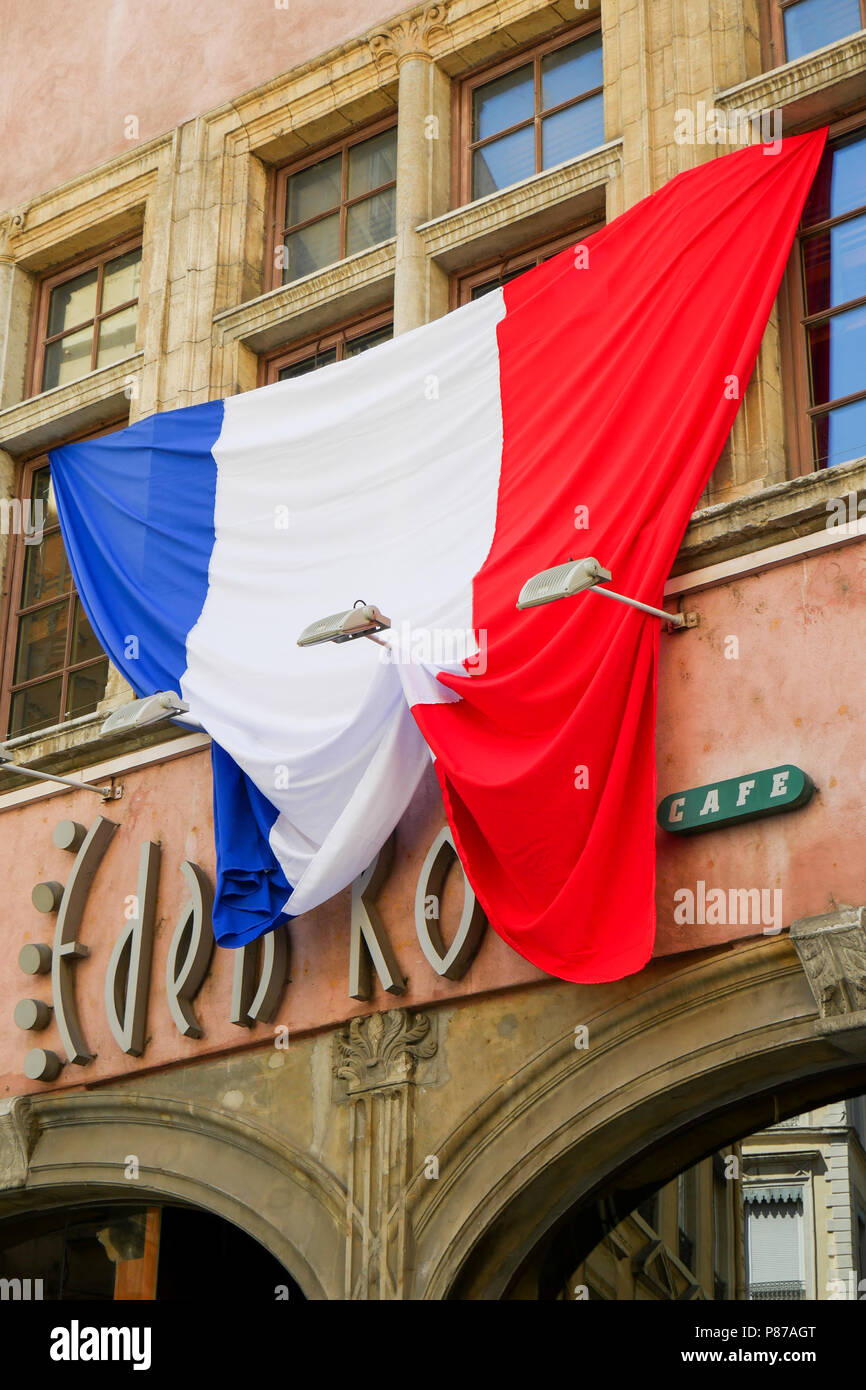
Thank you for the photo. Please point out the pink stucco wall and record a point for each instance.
(796, 693)
(73, 70)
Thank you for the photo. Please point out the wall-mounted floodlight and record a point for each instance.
(107, 793)
(562, 581)
(145, 713)
(364, 620)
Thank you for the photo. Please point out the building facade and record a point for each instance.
(389, 1106)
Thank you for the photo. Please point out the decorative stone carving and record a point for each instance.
(376, 1059)
(18, 1133)
(383, 1050)
(832, 951)
(411, 37)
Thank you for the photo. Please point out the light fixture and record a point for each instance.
(107, 793)
(562, 581)
(364, 620)
(145, 713)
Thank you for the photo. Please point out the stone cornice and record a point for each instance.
(798, 79)
(769, 516)
(47, 418)
(330, 294)
(40, 229)
(453, 239)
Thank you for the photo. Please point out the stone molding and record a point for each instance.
(88, 210)
(455, 239)
(767, 516)
(43, 420)
(800, 78)
(328, 295)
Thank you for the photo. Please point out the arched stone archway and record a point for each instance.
(701, 1050)
(76, 1147)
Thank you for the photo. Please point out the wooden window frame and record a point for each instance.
(70, 270)
(337, 335)
(526, 257)
(532, 52)
(775, 28)
(793, 322)
(283, 172)
(11, 611)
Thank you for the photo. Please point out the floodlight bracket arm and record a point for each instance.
(109, 793)
(675, 622)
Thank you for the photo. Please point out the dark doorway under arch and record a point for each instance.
(99, 1252)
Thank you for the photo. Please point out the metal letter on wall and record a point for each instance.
(127, 977)
(454, 962)
(258, 986)
(368, 944)
(194, 934)
(90, 846)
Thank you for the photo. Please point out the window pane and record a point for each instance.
(570, 71)
(834, 264)
(46, 573)
(72, 303)
(370, 221)
(308, 364)
(312, 249)
(572, 131)
(812, 23)
(368, 340)
(117, 336)
(840, 183)
(478, 291)
(373, 163)
(86, 689)
(837, 352)
(121, 280)
(503, 103)
(67, 359)
(840, 435)
(35, 708)
(84, 644)
(313, 191)
(41, 642)
(503, 162)
(43, 492)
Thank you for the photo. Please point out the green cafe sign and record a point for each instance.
(737, 799)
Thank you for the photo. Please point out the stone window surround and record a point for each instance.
(461, 175)
(283, 172)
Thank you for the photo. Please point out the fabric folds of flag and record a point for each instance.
(578, 411)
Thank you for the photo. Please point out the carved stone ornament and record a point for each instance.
(18, 1134)
(411, 37)
(382, 1050)
(832, 951)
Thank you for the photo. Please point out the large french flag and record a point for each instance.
(578, 411)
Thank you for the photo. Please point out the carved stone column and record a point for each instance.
(375, 1065)
(423, 149)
